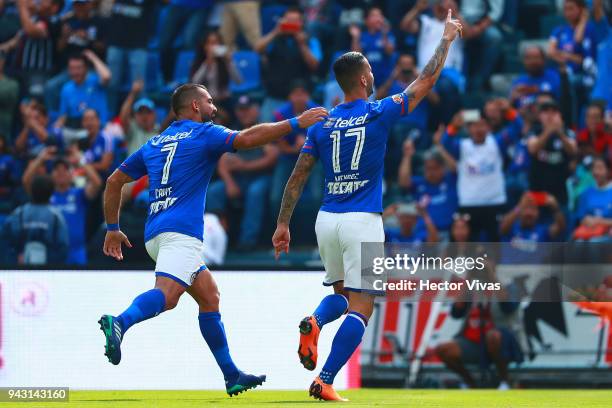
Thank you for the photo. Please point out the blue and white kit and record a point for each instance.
(179, 162)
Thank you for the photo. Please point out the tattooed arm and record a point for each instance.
(292, 194)
(427, 79)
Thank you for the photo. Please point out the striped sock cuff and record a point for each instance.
(359, 316)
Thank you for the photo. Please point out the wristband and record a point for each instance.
(295, 126)
(112, 227)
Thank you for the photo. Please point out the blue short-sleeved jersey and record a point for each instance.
(351, 145)
(179, 162)
(76, 99)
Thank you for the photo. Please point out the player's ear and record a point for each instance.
(195, 105)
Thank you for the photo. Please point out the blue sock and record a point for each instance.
(145, 306)
(344, 345)
(214, 333)
(330, 308)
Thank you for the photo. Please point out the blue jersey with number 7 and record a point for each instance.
(179, 162)
(351, 144)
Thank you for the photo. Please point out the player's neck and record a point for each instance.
(355, 96)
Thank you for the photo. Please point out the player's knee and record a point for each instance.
(447, 351)
(171, 302)
(209, 302)
(493, 339)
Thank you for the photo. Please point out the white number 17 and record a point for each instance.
(359, 133)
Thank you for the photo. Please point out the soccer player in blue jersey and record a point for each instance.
(351, 145)
(179, 163)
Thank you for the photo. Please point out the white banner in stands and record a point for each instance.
(49, 335)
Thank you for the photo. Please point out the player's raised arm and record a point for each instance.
(293, 191)
(264, 133)
(421, 86)
(112, 203)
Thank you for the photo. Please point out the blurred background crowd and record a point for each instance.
(513, 144)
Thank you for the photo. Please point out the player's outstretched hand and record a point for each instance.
(452, 27)
(280, 240)
(112, 244)
(312, 116)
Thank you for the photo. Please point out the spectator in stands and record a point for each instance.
(603, 83)
(429, 30)
(536, 79)
(523, 226)
(9, 94)
(491, 333)
(289, 55)
(9, 26)
(595, 138)
(376, 42)
(38, 49)
(240, 17)
(291, 145)
(551, 147)
(483, 38)
(35, 132)
(127, 35)
(436, 189)
(70, 201)
(138, 118)
(594, 212)
(504, 121)
(415, 224)
(100, 147)
(9, 180)
(414, 124)
(244, 178)
(189, 17)
(460, 230)
(573, 42)
(478, 161)
(85, 90)
(213, 67)
(80, 31)
(36, 233)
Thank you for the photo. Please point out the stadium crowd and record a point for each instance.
(513, 144)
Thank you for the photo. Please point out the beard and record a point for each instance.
(207, 117)
(370, 89)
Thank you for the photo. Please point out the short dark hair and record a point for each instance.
(78, 57)
(347, 68)
(42, 189)
(183, 95)
(579, 3)
(61, 162)
(601, 105)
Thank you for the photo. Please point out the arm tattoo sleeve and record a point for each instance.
(428, 77)
(294, 187)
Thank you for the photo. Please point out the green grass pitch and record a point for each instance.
(358, 398)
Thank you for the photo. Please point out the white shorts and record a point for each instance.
(177, 256)
(339, 236)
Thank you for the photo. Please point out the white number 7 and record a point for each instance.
(359, 133)
(171, 148)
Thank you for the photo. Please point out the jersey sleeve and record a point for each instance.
(394, 107)
(220, 139)
(310, 145)
(134, 166)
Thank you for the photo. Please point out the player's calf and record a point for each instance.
(330, 309)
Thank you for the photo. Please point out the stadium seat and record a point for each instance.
(153, 78)
(184, 59)
(247, 63)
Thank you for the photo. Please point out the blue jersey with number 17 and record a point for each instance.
(351, 145)
(179, 162)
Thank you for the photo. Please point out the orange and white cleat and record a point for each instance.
(309, 337)
(325, 392)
